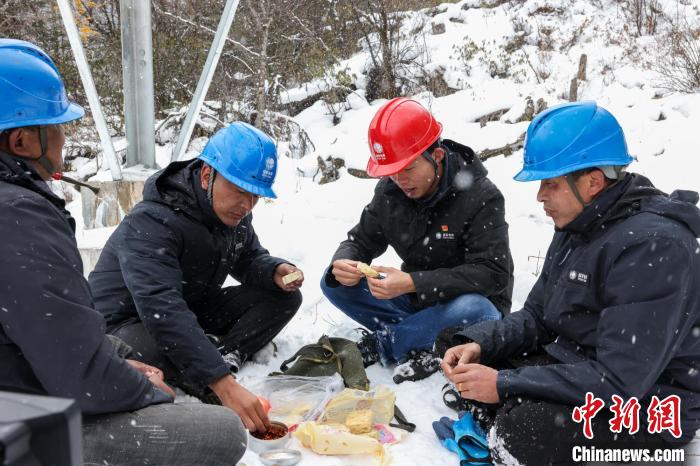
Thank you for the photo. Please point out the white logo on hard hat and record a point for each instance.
(268, 173)
(378, 152)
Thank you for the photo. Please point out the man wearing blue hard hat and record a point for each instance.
(615, 311)
(52, 340)
(159, 280)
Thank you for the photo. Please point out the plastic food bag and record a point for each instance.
(293, 398)
(380, 401)
(335, 439)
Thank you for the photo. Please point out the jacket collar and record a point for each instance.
(619, 201)
(15, 171)
(460, 163)
(178, 186)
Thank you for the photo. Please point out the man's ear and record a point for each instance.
(438, 154)
(18, 142)
(596, 182)
(204, 176)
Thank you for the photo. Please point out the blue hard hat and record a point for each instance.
(570, 137)
(31, 87)
(245, 156)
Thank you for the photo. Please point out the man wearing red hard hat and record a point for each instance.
(446, 220)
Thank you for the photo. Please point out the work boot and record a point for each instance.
(234, 360)
(420, 365)
(369, 347)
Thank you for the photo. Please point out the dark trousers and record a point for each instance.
(173, 434)
(536, 432)
(245, 318)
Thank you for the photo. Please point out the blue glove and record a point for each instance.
(445, 433)
(464, 437)
(471, 439)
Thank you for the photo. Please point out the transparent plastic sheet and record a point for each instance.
(295, 398)
(379, 400)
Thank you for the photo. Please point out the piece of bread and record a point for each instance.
(360, 421)
(367, 270)
(291, 277)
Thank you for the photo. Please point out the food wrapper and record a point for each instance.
(380, 401)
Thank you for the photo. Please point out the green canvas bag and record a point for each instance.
(332, 355)
(328, 356)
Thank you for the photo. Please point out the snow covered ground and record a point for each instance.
(307, 221)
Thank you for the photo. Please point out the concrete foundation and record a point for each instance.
(114, 201)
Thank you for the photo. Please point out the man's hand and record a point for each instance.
(154, 375)
(476, 382)
(462, 354)
(286, 269)
(244, 403)
(345, 271)
(395, 283)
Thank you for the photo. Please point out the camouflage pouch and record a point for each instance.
(326, 357)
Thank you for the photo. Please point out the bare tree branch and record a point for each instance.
(199, 26)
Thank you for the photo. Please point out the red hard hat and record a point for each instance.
(401, 130)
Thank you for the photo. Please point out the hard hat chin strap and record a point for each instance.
(574, 189)
(43, 159)
(210, 186)
(429, 157)
(614, 173)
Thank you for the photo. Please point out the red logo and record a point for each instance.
(665, 415)
(661, 415)
(587, 412)
(626, 415)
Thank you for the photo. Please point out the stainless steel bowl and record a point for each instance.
(281, 457)
(260, 446)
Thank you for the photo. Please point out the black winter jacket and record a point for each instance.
(52, 341)
(452, 244)
(166, 256)
(618, 303)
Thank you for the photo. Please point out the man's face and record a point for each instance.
(230, 203)
(26, 143)
(559, 201)
(417, 180)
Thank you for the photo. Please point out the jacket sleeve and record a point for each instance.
(519, 332)
(255, 266)
(148, 257)
(645, 288)
(365, 240)
(486, 266)
(47, 312)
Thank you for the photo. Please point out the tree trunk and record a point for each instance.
(387, 55)
(261, 101)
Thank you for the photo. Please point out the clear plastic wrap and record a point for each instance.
(293, 398)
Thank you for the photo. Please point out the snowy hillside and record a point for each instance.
(494, 58)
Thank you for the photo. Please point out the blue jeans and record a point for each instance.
(399, 326)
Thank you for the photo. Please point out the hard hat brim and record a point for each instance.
(246, 186)
(73, 112)
(528, 174)
(376, 170)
